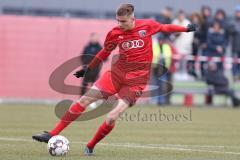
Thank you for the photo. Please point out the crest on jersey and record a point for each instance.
(142, 33)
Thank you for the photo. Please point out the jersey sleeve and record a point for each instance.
(168, 28)
(109, 45)
(110, 42)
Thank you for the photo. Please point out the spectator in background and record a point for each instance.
(162, 56)
(198, 36)
(155, 66)
(216, 42)
(89, 52)
(221, 17)
(235, 33)
(206, 13)
(165, 17)
(161, 70)
(183, 42)
(219, 84)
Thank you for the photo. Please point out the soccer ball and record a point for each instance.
(58, 146)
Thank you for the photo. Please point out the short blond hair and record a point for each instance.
(125, 10)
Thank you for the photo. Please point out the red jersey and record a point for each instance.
(135, 45)
(129, 75)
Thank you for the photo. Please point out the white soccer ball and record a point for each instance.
(58, 146)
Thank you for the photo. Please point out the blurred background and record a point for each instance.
(36, 37)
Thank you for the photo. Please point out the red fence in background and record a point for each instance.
(32, 47)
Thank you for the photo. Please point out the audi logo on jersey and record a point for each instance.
(139, 43)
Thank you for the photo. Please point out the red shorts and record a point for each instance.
(129, 87)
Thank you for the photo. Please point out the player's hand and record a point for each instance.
(81, 72)
(191, 27)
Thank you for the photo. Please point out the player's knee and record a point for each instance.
(111, 119)
(85, 101)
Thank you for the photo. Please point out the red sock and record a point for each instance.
(73, 112)
(102, 131)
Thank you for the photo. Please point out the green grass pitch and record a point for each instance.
(211, 133)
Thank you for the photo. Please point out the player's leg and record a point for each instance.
(107, 126)
(102, 88)
(71, 114)
(128, 96)
(77, 108)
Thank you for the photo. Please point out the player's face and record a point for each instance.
(125, 22)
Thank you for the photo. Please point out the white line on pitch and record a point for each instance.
(176, 147)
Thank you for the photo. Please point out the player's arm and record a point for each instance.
(101, 56)
(169, 28)
(109, 46)
(176, 28)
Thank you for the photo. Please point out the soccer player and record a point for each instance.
(127, 77)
